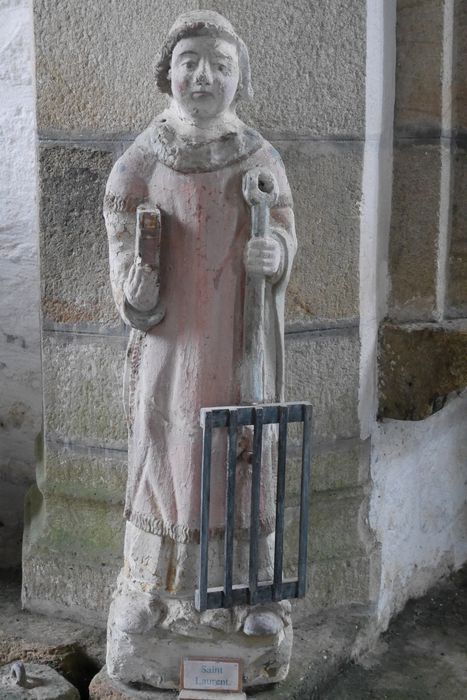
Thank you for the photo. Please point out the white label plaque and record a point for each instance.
(220, 675)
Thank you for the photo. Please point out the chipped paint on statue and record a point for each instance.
(185, 303)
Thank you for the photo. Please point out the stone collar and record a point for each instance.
(184, 155)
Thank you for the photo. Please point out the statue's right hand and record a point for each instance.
(142, 286)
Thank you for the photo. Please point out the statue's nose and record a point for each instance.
(204, 73)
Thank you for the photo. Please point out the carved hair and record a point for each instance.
(202, 22)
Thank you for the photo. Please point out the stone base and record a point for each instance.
(149, 635)
(323, 643)
(104, 688)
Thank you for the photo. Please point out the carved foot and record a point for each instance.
(136, 615)
(261, 623)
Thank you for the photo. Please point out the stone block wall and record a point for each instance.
(95, 91)
(418, 504)
(456, 296)
(20, 367)
(428, 237)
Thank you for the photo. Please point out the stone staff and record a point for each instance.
(261, 192)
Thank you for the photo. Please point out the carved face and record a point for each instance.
(204, 75)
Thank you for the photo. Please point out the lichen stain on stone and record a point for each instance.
(419, 365)
(95, 528)
(15, 339)
(15, 417)
(295, 301)
(67, 312)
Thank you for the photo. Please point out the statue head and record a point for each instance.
(204, 65)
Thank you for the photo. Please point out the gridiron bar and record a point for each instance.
(305, 487)
(230, 510)
(205, 501)
(241, 596)
(233, 417)
(280, 504)
(255, 498)
(245, 414)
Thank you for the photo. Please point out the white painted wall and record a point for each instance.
(419, 502)
(20, 374)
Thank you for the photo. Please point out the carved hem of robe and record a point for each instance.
(183, 534)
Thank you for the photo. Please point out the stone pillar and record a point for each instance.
(20, 371)
(456, 294)
(427, 260)
(92, 100)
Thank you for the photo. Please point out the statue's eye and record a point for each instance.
(222, 67)
(189, 65)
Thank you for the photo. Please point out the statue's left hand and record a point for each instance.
(263, 256)
(141, 287)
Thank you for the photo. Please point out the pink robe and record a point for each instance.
(192, 358)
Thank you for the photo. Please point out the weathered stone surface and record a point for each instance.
(87, 475)
(74, 257)
(41, 683)
(419, 365)
(334, 582)
(86, 527)
(337, 525)
(72, 552)
(140, 654)
(457, 264)
(20, 376)
(76, 588)
(322, 642)
(413, 242)
(12, 493)
(75, 651)
(82, 389)
(20, 398)
(418, 106)
(104, 688)
(460, 66)
(325, 179)
(314, 54)
(335, 529)
(341, 466)
(323, 368)
(80, 45)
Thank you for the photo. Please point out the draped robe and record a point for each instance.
(187, 352)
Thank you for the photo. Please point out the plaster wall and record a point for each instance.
(419, 505)
(20, 368)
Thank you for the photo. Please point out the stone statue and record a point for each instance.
(183, 290)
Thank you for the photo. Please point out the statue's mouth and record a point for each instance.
(201, 93)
